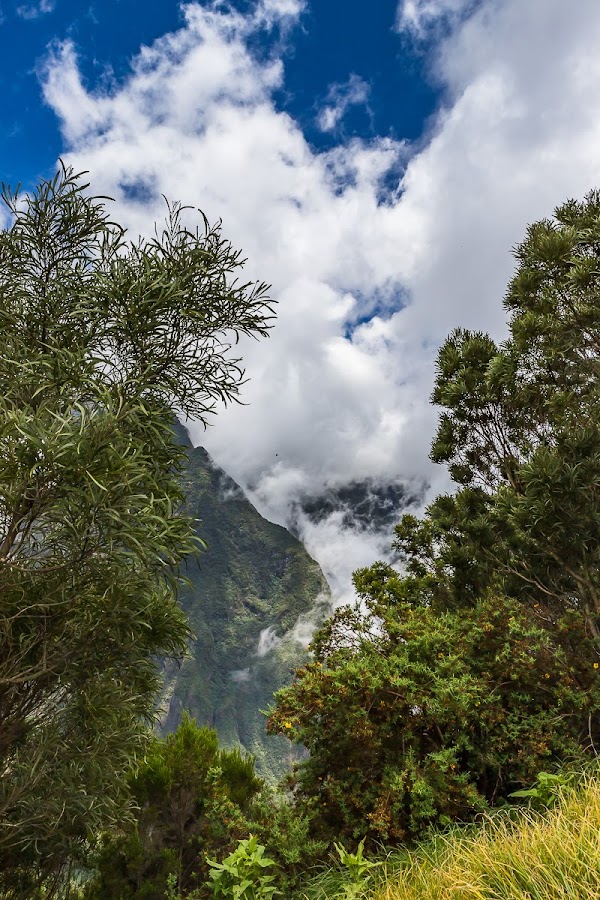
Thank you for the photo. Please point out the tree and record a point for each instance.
(521, 425)
(103, 341)
(417, 717)
(192, 799)
(479, 665)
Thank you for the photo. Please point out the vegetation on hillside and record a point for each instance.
(253, 585)
(478, 666)
(449, 686)
(102, 340)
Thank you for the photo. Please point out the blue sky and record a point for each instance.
(376, 163)
(107, 34)
(329, 44)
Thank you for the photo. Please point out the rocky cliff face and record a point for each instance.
(252, 604)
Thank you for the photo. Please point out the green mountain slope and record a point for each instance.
(254, 594)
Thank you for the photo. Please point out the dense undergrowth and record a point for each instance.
(524, 855)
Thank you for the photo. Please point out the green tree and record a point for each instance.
(192, 799)
(520, 429)
(478, 666)
(103, 341)
(416, 717)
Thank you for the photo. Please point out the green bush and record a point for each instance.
(242, 876)
(193, 798)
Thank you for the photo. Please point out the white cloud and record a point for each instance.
(35, 10)
(301, 632)
(307, 623)
(278, 12)
(268, 640)
(340, 97)
(333, 398)
(421, 17)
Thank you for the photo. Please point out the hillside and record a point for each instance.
(250, 604)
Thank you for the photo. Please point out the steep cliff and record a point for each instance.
(251, 605)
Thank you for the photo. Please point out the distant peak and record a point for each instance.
(182, 435)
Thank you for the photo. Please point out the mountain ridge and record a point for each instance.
(252, 604)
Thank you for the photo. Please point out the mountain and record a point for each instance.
(370, 503)
(252, 604)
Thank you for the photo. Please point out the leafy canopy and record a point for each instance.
(192, 799)
(457, 681)
(103, 341)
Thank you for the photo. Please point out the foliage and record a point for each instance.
(350, 877)
(355, 863)
(196, 799)
(356, 866)
(287, 832)
(458, 680)
(241, 875)
(254, 576)
(102, 340)
(172, 892)
(427, 717)
(535, 856)
(193, 798)
(546, 791)
(520, 425)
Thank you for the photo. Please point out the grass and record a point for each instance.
(535, 857)
(531, 856)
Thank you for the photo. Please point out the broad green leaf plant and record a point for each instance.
(242, 875)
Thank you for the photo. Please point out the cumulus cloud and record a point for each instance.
(340, 97)
(369, 281)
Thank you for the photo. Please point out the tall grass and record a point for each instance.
(518, 856)
(535, 857)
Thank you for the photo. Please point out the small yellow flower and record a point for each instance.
(287, 724)
(596, 665)
(546, 675)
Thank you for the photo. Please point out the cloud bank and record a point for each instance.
(369, 278)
